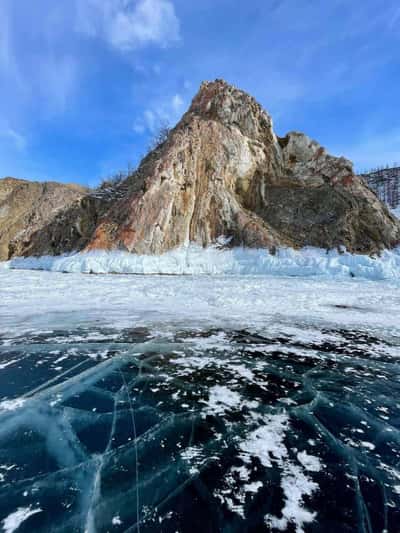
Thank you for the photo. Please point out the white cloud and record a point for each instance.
(151, 119)
(394, 19)
(139, 128)
(8, 63)
(128, 25)
(163, 112)
(17, 139)
(57, 80)
(42, 76)
(177, 103)
(5, 53)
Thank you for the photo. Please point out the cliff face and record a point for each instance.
(223, 172)
(27, 207)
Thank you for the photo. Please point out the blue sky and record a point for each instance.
(85, 83)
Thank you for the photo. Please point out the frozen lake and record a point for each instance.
(198, 404)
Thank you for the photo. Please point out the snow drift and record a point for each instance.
(195, 260)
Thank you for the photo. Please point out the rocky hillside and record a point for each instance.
(223, 172)
(27, 207)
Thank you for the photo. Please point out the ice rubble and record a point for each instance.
(195, 260)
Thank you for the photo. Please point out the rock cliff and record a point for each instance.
(27, 207)
(223, 172)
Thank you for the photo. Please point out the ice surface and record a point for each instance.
(237, 261)
(46, 300)
(193, 404)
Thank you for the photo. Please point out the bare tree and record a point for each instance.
(112, 181)
(160, 136)
(113, 185)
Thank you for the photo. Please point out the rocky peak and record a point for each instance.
(223, 172)
(219, 101)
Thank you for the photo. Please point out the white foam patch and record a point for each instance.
(222, 399)
(310, 462)
(116, 521)
(267, 444)
(295, 485)
(218, 342)
(194, 456)
(8, 363)
(237, 488)
(12, 522)
(11, 405)
(3, 471)
(194, 259)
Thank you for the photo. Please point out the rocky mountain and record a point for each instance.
(223, 172)
(27, 207)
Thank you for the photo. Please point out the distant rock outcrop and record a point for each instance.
(223, 172)
(26, 207)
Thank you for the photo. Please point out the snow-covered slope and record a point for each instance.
(215, 261)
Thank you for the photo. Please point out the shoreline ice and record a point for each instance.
(195, 260)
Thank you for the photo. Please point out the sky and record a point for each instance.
(85, 84)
